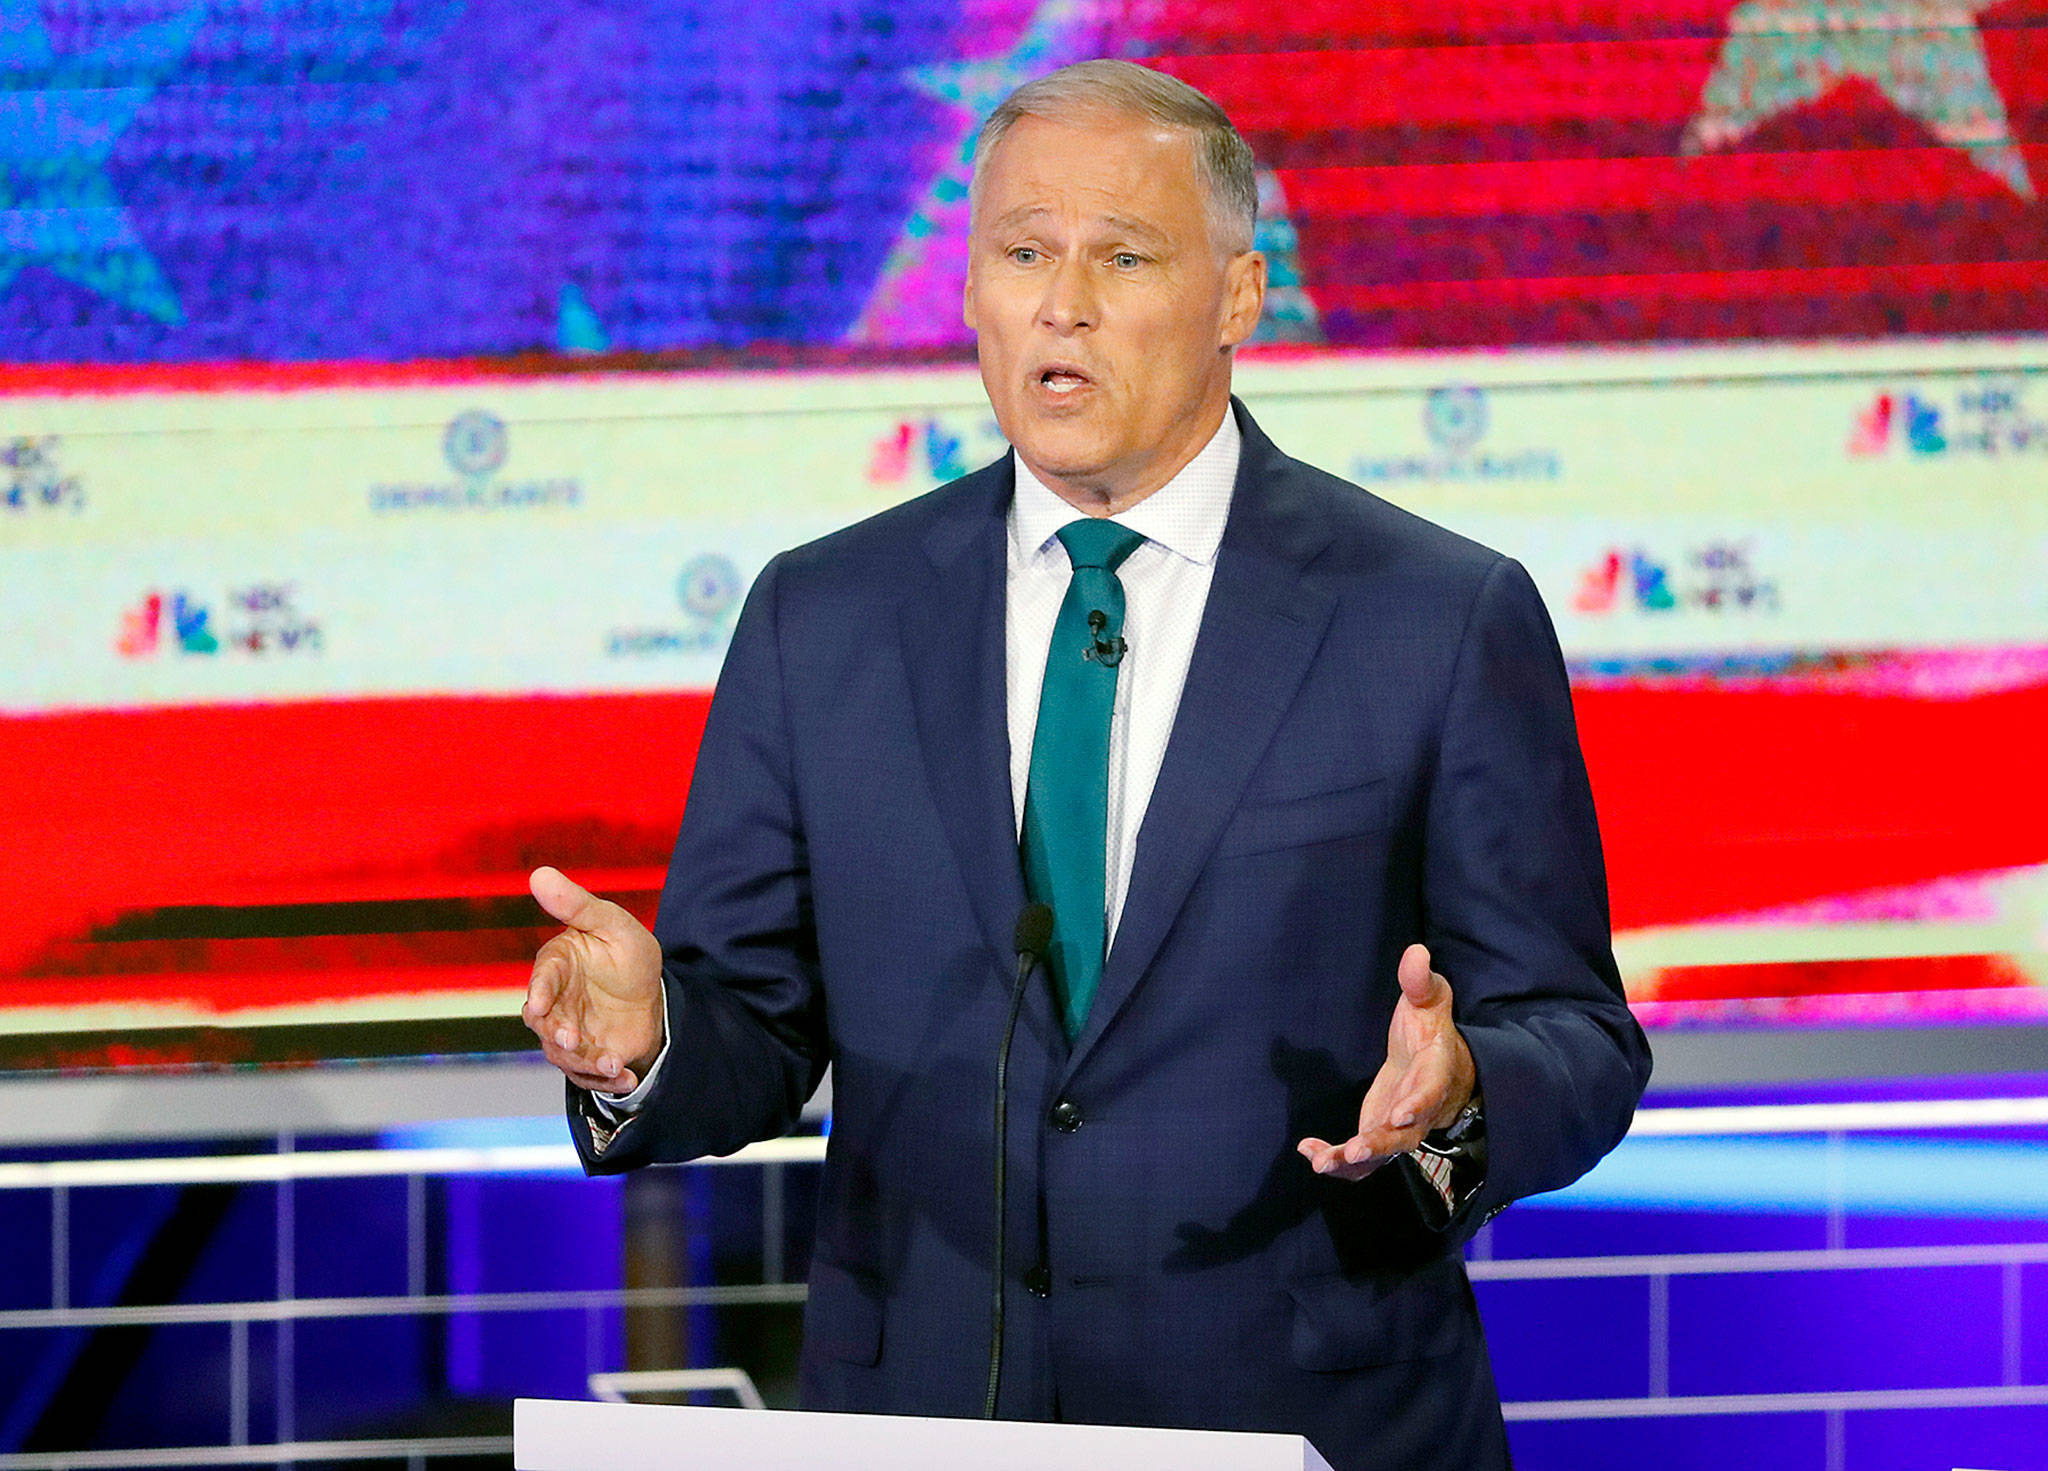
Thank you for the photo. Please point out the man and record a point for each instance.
(1284, 752)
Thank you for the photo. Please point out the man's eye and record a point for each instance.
(1024, 255)
(1127, 260)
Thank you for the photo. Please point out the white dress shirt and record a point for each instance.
(1166, 587)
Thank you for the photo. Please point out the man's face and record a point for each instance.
(1104, 312)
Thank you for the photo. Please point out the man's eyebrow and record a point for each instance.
(1128, 226)
(1019, 215)
(1136, 229)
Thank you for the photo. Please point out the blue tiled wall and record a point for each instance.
(1599, 1338)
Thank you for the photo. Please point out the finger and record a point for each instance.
(1320, 1155)
(618, 1078)
(1413, 1115)
(1388, 1084)
(592, 1080)
(1395, 1131)
(552, 1025)
(1364, 1148)
(563, 1046)
(1422, 1091)
(556, 1030)
(1405, 1129)
(1420, 985)
(542, 990)
(1375, 1149)
(1348, 1170)
(569, 1063)
(568, 901)
(1338, 1160)
(604, 1076)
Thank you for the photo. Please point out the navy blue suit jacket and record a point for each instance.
(1375, 746)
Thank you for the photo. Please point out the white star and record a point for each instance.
(916, 294)
(919, 281)
(1926, 56)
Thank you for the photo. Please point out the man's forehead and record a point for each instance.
(1123, 143)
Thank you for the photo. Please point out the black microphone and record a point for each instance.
(1033, 939)
(1108, 651)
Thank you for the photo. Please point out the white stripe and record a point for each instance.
(303, 1309)
(1838, 1118)
(260, 1455)
(1797, 1118)
(1777, 1404)
(237, 1169)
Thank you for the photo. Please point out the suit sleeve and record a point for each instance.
(1516, 907)
(747, 1041)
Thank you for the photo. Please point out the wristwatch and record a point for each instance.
(1450, 1165)
(1461, 1133)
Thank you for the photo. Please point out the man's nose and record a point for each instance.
(1069, 304)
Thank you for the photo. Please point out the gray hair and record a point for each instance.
(1223, 160)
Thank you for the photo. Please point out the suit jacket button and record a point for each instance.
(1066, 1116)
(1038, 1282)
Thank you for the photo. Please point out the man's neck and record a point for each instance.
(1110, 498)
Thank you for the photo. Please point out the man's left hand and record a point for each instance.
(1428, 1076)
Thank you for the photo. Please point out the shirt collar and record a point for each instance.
(1185, 515)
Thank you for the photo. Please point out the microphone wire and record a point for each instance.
(1034, 935)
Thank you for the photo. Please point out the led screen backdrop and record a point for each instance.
(293, 180)
(401, 397)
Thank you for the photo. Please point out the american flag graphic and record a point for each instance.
(237, 180)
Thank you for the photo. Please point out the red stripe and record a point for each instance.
(1759, 186)
(1835, 978)
(109, 813)
(113, 378)
(1482, 320)
(1714, 802)
(1226, 25)
(769, 360)
(1630, 80)
(228, 991)
(1902, 282)
(1719, 802)
(1454, 195)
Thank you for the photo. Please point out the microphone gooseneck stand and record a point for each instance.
(1034, 936)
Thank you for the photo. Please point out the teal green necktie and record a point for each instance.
(1066, 804)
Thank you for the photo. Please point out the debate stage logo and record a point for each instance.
(476, 446)
(707, 590)
(35, 481)
(1456, 420)
(263, 620)
(938, 448)
(1715, 577)
(1985, 421)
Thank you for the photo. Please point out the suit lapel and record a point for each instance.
(952, 630)
(1260, 631)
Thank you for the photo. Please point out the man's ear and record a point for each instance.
(1244, 297)
(967, 300)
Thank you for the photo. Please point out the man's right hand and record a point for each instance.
(595, 997)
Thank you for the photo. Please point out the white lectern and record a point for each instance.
(571, 1435)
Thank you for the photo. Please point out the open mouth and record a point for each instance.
(1061, 379)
